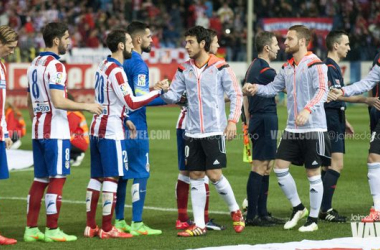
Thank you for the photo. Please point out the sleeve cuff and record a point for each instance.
(308, 109)
(233, 121)
(56, 86)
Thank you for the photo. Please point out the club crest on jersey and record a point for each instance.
(141, 80)
(67, 164)
(124, 88)
(337, 81)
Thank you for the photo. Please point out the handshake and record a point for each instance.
(334, 94)
(249, 89)
(162, 85)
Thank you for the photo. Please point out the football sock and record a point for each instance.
(206, 180)
(316, 194)
(34, 201)
(263, 197)
(120, 198)
(108, 202)
(92, 199)
(288, 186)
(329, 183)
(138, 198)
(224, 189)
(182, 196)
(53, 201)
(374, 183)
(198, 201)
(253, 192)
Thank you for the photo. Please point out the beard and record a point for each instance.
(127, 54)
(146, 49)
(61, 49)
(292, 50)
(195, 56)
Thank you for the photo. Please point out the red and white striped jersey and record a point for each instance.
(113, 92)
(181, 122)
(3, 86)
(46, 73)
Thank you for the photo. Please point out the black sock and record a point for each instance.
(299, 207)
(312, 219)
(329, 184)
(263, 198)
(253, 192)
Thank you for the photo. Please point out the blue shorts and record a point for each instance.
(51, 157)
(263, 133)
(108, 157)
(181, 149)
(336, 126)
(138, 156)
(4, 173)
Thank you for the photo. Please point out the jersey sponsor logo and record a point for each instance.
(124, 88)
(41, 107)
(141, 80)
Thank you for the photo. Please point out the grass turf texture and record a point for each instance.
(351, 197)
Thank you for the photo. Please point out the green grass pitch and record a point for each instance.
(351, 197)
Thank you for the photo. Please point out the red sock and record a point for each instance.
(92, 196)
(53, 195)
(34, 202)
(182, 195)
(108, 202)
(207, 201)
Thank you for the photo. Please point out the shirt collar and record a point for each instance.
(110, 59)
(48, 53)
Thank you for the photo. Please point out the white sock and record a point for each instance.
(315, 195)
(198, 201)
(374, 183)
(225, 191)
(184, 178)
(288, 185)
(206, 179)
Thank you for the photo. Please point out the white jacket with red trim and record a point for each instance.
(307, 88)
(205, 89)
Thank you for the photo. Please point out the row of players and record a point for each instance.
(204, 150)
(114, 98)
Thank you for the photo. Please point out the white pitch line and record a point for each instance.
(129, 206)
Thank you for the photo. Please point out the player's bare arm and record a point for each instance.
(60, 102)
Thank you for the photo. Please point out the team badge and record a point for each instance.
(67, 164)
(141, 80)
(337, 81)
(59, 77)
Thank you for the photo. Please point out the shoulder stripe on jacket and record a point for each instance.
(315, 62)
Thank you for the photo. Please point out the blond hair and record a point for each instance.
(7, 34)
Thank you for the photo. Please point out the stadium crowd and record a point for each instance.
(89, 21)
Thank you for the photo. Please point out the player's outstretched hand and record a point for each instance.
(132, 129)
(8, 143)
(230, 131)
(94, 108)
(163, 84)
(302, 117)
(334, 94)
(373, 102)
(349, 129)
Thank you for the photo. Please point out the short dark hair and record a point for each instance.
(262, 39)
(212, 34)
(136, 27)
(334, 37)
(7, 35)
(302, 32)
(52, 31)
(114, 38)
(201, 34)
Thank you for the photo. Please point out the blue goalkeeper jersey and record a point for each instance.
(138, 78)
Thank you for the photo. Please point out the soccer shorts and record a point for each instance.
(304, 148)
(263, 133)
(4, 173)
(207, 153)
(51, 157)
(138, 156)
(108, 157)
(181, 149)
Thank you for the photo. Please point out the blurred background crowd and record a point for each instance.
(89, 21)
